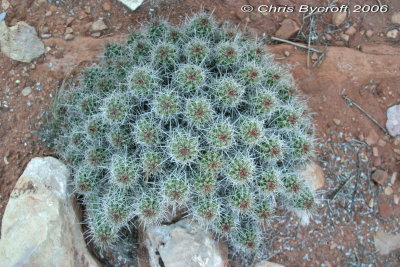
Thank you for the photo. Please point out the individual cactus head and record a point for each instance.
(124, 171)
(221, 135)
(251, 131)
(147, 131)
(242, 200)
(166, 105)
(143, 81)
(117, 205)
(205, 183)
(183, 147)
(228, 91)
(165, 55)
(240, 171)
(197, 51)
(193, 118)
(176, 190)
(198, 111)
(227, 56)
(190, 78)
(211, 162)
(206, 210)
(150, 207)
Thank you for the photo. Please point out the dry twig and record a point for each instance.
(352, 103)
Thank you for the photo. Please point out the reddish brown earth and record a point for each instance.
(365, 68)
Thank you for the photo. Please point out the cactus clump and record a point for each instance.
(193, 117)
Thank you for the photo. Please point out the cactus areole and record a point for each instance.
(194, 117)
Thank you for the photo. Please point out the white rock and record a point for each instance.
(20, 42)
(182, 244)
(385, 242)
(392, 34)
(268, 264)
(393, 120)
(314, 174)
(40, 227)
(132, 4)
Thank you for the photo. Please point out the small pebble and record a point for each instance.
(393, 178)
(351, 31)
(388, 191)
(45, 35)
(69, 30)
(26, 91)
(106, 6)
(375, 151)
(336, 121)
(68, 37)
(396, 199)
(392, 34)
(371, 203)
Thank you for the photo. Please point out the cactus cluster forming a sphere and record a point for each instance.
(194, 117)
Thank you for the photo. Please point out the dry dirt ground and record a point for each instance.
(365, 67)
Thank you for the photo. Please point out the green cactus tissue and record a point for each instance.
(195, 118)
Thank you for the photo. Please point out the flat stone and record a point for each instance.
(337, 121)
(385, 210)
(182, 244)
(40, 226)
(26, 91)
(287, 29)
(379, 176)
(20, 42)
(98, 26)
(132, 4)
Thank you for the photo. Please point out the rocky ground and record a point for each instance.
(359, 65)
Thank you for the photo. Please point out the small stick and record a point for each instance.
(351, 103)
(295, 44)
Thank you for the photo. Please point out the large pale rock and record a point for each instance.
(314, 174)
(20, 42)
(182, 244)
(40, 227)
(393, 120)
(132, 4)
(385, 242)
